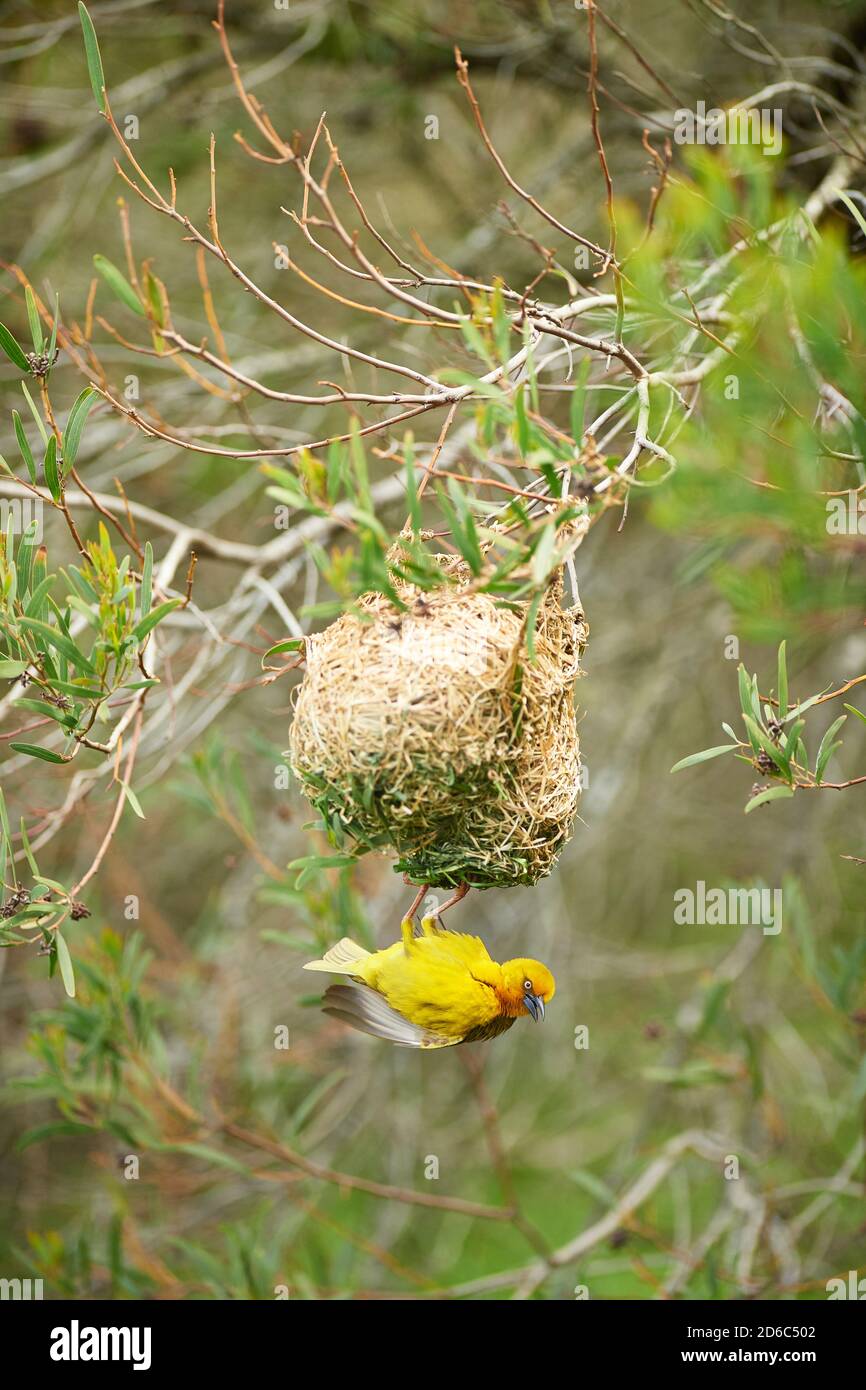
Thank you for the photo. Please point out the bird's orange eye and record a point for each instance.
(527, 985)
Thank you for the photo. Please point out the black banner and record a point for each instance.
(63, 1339)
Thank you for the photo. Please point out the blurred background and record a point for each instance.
(190, 960)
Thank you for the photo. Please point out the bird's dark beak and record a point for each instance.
(535, 1005)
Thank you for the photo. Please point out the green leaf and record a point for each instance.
(462, 524)
(531, 622)
(34, 867)
(578, 398)
(34, 751)
(594, 1185)
(13, 351)
(747, 701)
(853, 209)
(521, 422)
(55, 1129)
(34, 320)
(542, 556)
(75, 427)
(24, 446)
(146, 594)
(30, 569)
(772, 794)
(475, 341)
(119, 284)
(359, 466)
(60, 642)
(52, 345)
(291, 644)
(703, 756)
(155, 616)
(78, 692)
(854, 710)
(324, 861)
(4, 819)
(31, 406)
(51, 883)
(827, 747)
(5, 843)
(806, 704)
(412, 488)
(10, 669)
(82, 586)
(213, 1157)
(793, 737)
(49, 465)
(154, 299)
(36, 601)
(133, 800)
(91, 53)
(45, 710)
(782, 682)
(64, 960)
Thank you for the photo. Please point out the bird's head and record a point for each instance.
(526, 987)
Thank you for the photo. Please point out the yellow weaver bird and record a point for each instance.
(433, 990)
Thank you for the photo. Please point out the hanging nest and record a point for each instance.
(431, 733)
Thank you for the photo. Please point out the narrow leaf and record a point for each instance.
(133, 800)
(52, 345)
(119, 284)
(92, 54)
(290, 644)
(155, 616)
(75, 427)
(782, 682)
(827, 747)
(853, 209)
(60, 642)
(34, 751)
(578, 398)
(772, 794)
(13, 351)
(146, 594)
(31, 406)
(64, 961)
(49, 466)
(24, 446)
(34, 320)
(543, 554)
(703, 756)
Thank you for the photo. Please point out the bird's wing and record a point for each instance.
(367, 1011)
(468, 950)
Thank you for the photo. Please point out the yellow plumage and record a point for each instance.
(433, 990)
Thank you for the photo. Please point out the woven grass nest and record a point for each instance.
(430, 733)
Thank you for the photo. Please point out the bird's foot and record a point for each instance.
(457, 897)
(417, 900)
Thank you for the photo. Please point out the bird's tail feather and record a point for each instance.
(341, 959)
